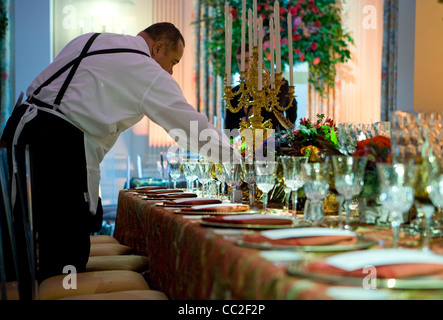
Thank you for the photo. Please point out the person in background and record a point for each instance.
(97, 87)
(233, 120)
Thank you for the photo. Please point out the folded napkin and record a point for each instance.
(193, 202)
(251, 219)
(388, 263)
(221, 207)
(172, 195)
(146, 189)
(304, 237)
(160, 191)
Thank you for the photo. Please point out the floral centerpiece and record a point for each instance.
(319, 37)
(314, 140)
(378, 150)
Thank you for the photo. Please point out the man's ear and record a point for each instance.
(157, 46)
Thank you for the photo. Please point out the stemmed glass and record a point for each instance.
(249, 178)
(266, 176)
(204, 175)
(190, 171)
(397, 192)
(294, 178)
(316, 188)
(436, 196)
(348, 177)
(233, 177)
(174, 163)
(221, 178)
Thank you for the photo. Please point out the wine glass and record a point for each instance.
(190, 171)
(266, 175)
(249, 178)
(204, 175)
(397, 192)
(221, 178)
(233, 177)
(294, 178)
(348, 177)
(316, 188)
(436, 196)
(174, 162)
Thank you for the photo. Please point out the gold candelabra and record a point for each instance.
(250, 95)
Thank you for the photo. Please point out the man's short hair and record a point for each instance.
(239, 48)
(165, 31)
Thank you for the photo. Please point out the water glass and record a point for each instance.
(349, 180)
(204, 175)
(174, 163)
(294, 178)
(316, 188)
(397, 192)
(266, 172)
(233, 177)
(249, 178)
(190, 171)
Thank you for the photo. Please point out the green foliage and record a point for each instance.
(3, 19)
(318, 35)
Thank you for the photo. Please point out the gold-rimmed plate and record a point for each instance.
(296, 224)
(212, 213)
(417, 283)
(361, 243)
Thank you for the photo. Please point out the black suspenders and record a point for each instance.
(74, 64)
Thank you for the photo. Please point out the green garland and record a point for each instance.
(318, 36)
(3, 19)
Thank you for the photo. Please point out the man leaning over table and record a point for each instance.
(96, 88)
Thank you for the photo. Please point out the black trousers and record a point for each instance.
(62, 218)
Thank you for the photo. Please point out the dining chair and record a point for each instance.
(71, 284)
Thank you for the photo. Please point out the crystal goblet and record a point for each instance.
(397, 192)
(266, 175)
(294, 178)
(316, 188)
(349, 180)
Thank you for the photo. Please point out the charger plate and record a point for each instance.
(361, 243)
(212, 213)
(296, 224)
(417, 283)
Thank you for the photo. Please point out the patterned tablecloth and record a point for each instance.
(193, 262)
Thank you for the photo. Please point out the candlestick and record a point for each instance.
(250, 27)
(243, 36)
(271, 33)
(277, 35)
(254, 21)
(291, 58)
(227, 42)
(260, 54)
(229, 49)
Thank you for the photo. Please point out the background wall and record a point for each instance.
(428, 88)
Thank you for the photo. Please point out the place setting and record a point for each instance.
(390, 268)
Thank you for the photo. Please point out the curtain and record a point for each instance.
(356, 96)
(390, 58)
(5, 64)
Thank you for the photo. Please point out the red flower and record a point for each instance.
(296, 37)
(304, 121)
(382, 142)
(293, 10)
(316, 61)
(317, 24)
(314, 46)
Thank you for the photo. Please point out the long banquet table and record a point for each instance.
(188, 261)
